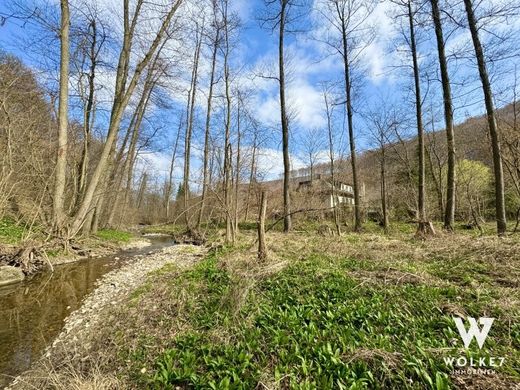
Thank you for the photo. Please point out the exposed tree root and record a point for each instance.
(191, 237)
(425, 230)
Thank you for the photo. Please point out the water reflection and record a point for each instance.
(32, 312)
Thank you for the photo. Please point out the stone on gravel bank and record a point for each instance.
(136, 244)
(114, 287)
(10, 275)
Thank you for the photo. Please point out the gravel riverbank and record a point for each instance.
(102, 251)
(112, 289)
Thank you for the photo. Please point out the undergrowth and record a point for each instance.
(10, 231)
(326, 320)
(113, 235)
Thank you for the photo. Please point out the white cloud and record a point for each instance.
(307, 102)
(270, 163)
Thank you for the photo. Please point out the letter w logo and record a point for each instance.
(474, 330)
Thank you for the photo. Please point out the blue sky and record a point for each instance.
(311, 64)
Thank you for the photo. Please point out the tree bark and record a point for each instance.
(89, 112)
(335, 199)
(133, 131)
(122, 95)
(492, 123)
(142, 189)
(262, 247)
(418, 109)
(61, 161)
(237, 169)
(384, 205)
(169, 186)
(207, 129)
(350, 115)
(252, 177)
(230, 236)
(189, 127)
(449, 214)
(287, 222)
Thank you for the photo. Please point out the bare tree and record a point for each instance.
(383, 122)
(63, 120)
(425, 228)
(238, 166)
(282, 14)
(228, 154)
(262, 247)
(116, 169)
(332, 158)
(190, 118)
(124, 88)
(436, 162)
(491, 118)
(312, 144)
(92, 42)
(253, 167)
(449, 215)
(349, 17)
(510, 132)
(217, 27)
(169, 183)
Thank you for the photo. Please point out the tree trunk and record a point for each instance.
(237, 172)
(424, 226)
(262, 248)
(287, 222)
(418, 109)
(436, 182)
(169, 186)
(132, 133)
(113, 185)
(89, 113)
(335, 199)
(449, 215)
(493, 128)
(96, 216)
(189, 127)
(61, 161)
(251, 178)
(205, 172)
(383, 188)
(122, 95)
(517, 221)
(142, 190)
(230, 237)
(350, 114)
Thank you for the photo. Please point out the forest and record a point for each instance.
(309, 160)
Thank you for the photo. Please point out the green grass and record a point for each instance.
(11, 232)
(116, 236)
(315, 324)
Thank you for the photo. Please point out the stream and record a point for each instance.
(32, 312)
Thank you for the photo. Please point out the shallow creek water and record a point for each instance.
(32, 312)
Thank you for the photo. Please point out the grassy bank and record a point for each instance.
(360, 311)
(15, 235)
(115, 236)
(12, 232)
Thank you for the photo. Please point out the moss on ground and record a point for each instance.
(116, 236)
(11, 232)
